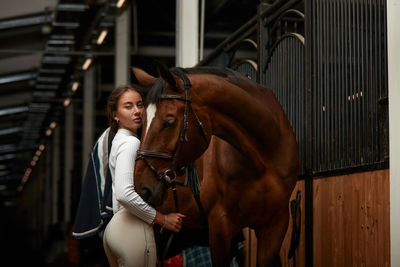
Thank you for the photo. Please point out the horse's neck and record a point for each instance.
(243, 120)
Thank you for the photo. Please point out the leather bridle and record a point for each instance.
(170, 175)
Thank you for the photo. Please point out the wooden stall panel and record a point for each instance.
(351, 220)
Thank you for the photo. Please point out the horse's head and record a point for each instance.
(176, 131)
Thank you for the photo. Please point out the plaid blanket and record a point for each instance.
(198, 256)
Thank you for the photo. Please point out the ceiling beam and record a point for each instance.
(11, 130)
(17, 77)
(7, 148)
(72, 7)
(13, 110)
(25, 21)
(7, 157)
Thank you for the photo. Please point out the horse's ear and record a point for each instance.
(143, 77)
(166, 75)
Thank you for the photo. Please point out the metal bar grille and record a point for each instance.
(248, 68)
(284, 74)
(349, 77)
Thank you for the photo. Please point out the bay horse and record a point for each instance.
(244, 146)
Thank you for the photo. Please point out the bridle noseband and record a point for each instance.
(170, 175)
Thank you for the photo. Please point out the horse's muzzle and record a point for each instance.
(154, 198)
(145, 193)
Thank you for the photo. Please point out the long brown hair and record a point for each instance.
(112, 103)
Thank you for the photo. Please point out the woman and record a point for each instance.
(128, 237)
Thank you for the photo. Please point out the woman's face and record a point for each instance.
(129, 111)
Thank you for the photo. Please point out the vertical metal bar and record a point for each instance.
(262, 41)
(315, 80)
(364, 43)
(330, 77)
(376, 81)
(303, 122)
(319, 122)
(346, 79)
(376, 77)
(341, 77)
(340, 84)
(354, 82)
(318, 89)
(340, 87)
(370, 99)
(299, 103)
(359, 68)
(380, 81)
(288, 70)
(289, 61)
(361, 83)
(334, 88)
(293, 78)
(300, 110)
(285, 70)
(324, 57)
(325, 99)
(385, 49)
(346, 71)
(279, 66)
(351, 82)
(310, 120)
(370, 78)
(385, 149)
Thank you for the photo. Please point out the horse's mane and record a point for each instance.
(153, 96)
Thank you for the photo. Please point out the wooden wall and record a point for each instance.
(351, 222)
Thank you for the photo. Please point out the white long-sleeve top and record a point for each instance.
(122, 164)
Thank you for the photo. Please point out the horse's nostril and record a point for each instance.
(145, 193)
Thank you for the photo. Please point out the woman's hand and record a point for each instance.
(174, 221)
(171, 221)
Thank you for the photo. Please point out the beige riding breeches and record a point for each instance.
(129, 242)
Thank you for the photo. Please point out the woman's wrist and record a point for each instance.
(159, 218)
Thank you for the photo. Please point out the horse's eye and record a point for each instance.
(169, 123)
